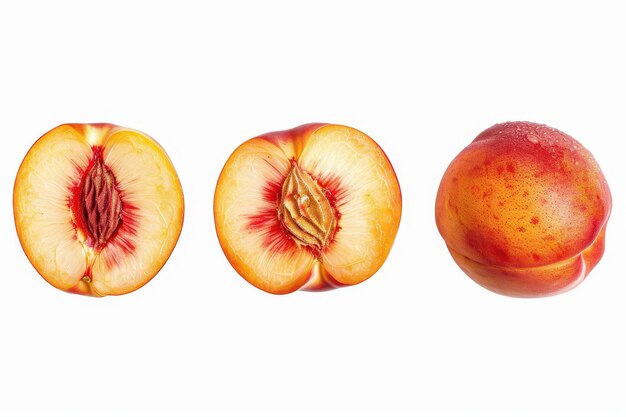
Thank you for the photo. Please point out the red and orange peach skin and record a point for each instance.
(315, 207)
(523, 210)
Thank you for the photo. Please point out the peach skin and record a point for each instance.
(523, 210)
(314, 208)
(98, 208)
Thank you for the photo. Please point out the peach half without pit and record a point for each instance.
(314, 208)
(523, 210)
(98, 208)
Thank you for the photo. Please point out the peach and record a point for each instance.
(523, 210)
(314, 208)
(98, 208)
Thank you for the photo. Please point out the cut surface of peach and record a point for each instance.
(98, 208)
(315, 207)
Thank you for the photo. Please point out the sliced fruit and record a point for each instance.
(98, 208)
(315, 207)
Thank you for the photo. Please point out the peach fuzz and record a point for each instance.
(98, 208)
(314, 208)
(523, 210)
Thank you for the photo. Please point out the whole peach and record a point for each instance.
(523, 210)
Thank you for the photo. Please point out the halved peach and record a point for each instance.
(315, 208)
(523, 210)
(98, 208)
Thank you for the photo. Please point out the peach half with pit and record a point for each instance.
(314, 208)
(98, 208)
(523, 210)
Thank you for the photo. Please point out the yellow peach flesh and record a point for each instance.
(357, 177)
(49, 227)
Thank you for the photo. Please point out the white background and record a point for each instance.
(419, 338)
